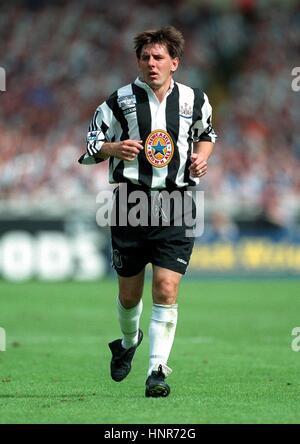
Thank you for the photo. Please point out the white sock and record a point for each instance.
(161, 335)
(129, 319)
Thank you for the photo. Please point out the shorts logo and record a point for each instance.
(181, 260)
(117, 259)
(159, 148)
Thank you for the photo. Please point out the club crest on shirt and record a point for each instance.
(185, 111)
(159, 148)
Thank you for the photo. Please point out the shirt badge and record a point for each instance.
(94, 135)
(185, 111)
(159, 148)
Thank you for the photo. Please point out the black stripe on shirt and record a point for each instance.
(172, 124)
(93, 126)
(197, 115)
(188, 161)
(104, 127)
(206, 135)
(143, 113)
(198, 104)
(119, 116)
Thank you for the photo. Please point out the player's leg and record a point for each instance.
(165, 285)
(129, 258)
(164, 315)
(162, 329)
(129, 307)
(171, 249)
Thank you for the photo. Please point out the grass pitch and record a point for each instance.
(232, 359)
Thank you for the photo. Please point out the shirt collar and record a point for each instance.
(139, 82)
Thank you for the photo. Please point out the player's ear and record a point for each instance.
(174, 64)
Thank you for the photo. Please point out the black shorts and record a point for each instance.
(160, 241)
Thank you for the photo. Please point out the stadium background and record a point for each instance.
(63, 58)
(78, 53)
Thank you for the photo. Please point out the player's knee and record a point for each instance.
(129, 300)
(164, 292)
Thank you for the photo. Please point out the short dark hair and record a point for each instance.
(168, 36)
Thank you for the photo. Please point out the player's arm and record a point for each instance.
(204, 138)
(199, 158)
(100, 144)
(101, 130)
(125, 149)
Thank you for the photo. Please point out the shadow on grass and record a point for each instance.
(62, 396)
(65, 397)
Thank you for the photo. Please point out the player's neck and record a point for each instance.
(162, 91)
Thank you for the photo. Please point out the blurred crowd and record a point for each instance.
(62, 59)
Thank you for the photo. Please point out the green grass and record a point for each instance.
(232, 359)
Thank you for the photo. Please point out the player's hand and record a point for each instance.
(198, 166)
(126, 149)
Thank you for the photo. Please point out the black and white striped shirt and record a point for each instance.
(167, 129)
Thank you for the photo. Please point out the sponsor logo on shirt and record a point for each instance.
(127, 104)
(159, 148)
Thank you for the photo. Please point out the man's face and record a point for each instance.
(156, 65)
